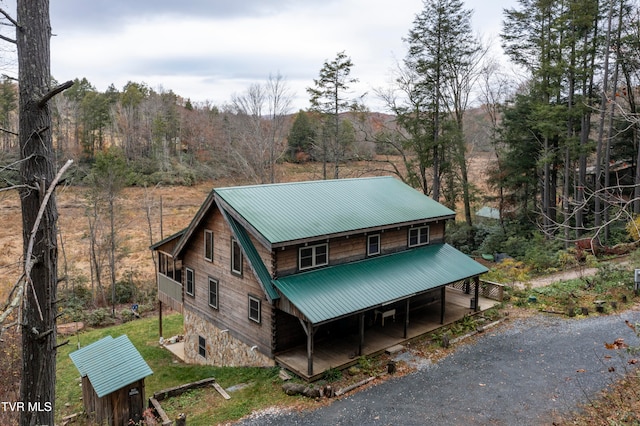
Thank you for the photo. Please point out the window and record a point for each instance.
(418, 236)
(254, 309)
(312, 256)
(236, 257)
(202, 347)
(213, 293)
(163, 261)
(190, 282)
(373, 245)
(208, 245)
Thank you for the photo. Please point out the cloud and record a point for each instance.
(209, 49)
(105, 14)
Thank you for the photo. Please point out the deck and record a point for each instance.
(341, 353)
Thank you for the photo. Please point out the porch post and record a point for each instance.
(310, 330)
(406, 318)
(361, 333)
(160, 317)
(443, 293)
(476, 280)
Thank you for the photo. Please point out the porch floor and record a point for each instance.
(341, 353)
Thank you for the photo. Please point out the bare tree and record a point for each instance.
(256, 128)
(279, 100)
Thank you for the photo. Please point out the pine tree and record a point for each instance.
(329, 96)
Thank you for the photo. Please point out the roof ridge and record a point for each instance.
(302, 182)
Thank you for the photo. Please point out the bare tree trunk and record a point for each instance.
(112, 253)
(37, 174)
(603, 107)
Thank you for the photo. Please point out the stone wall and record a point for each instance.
(222, 349)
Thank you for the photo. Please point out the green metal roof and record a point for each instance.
(110, 364)
(250, 251)
(295, 211)
(336, 291)
(84, 355)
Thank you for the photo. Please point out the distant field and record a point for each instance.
(179, 204)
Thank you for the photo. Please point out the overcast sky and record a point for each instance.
(207, 50)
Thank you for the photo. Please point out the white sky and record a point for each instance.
(207, 50)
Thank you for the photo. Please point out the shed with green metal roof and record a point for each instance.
(113, 373)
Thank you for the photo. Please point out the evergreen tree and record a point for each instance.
(438, 73)
(301, 137)
(555, 42)
(8, 105)
(329, 97)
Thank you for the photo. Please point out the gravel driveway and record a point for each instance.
(524, 372)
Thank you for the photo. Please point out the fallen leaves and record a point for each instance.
(617, 344)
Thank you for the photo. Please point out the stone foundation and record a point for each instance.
(221, 348)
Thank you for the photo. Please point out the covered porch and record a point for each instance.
(341, 352)
(364, 307)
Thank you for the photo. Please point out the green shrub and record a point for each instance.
(127, 315)
(332, 375)
(125, 291)
(100, 317)
(367, 365)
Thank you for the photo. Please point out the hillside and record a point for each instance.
(179, 204)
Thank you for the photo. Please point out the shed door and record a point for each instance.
(135, 405)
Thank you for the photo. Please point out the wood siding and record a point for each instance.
(115, 408)
(354, 247)
(276, 331)
(233, 290)
(289, 332)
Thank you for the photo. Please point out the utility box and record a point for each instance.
(636, 280)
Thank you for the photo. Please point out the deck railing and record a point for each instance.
(488, 289)
(170, 292)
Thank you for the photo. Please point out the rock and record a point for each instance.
(284, 375)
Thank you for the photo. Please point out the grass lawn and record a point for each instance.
(203, 407)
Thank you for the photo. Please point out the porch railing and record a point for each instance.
(170, 292)
(488, 289)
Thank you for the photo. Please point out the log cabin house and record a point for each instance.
(268, 274)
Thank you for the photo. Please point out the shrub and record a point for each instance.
(367, 365)
(633, 228)
(78, 294)
(127, 315)
(100, 317)
(332, 375)
(125, 291)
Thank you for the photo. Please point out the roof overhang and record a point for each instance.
(326, 294)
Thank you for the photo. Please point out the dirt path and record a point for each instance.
(570, 274)
(558, 276)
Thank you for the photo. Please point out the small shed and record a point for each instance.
(487, 212)
(113, 374)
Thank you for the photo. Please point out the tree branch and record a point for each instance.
(29, 261)
(9, 18)
(7, 39)
(8, 131)
(15, 302)
(64, 86)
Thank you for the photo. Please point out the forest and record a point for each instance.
(563, 134)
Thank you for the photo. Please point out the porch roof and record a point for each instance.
(333, 292)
